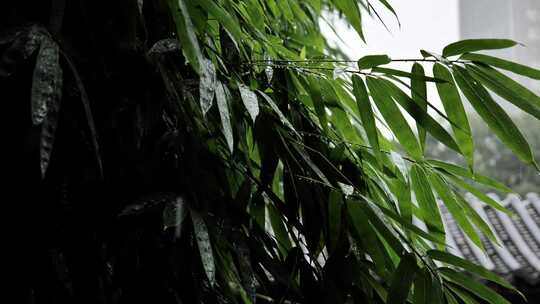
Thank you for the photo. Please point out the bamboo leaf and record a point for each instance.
(421, 116)
(186, 34)
(371, 61)
(352, 12)
(453, 106)
(503, 64)
(492, 113)
(366, 113)
(419, 95)
(402, 280)
(507, 88)
(392, 115)
(207, 85)
(475, 287)
(249, 98)
(205, 247)
(472, 45)
(46, 95)
(446, 195)
(222, 100)
(470, 267)
(426, 201)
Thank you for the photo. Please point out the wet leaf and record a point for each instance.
(222, 99)
(205, 247)
(250, 101)
(207, 85)
(47, 85)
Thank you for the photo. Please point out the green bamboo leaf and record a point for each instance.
(419, 95)
(394, 118)
(465, 296)
(224, 18)
(453, 106)
(366, 113)
(249, 98)
(411, 227)
(473, 286)
(421, 116)
(427, 202)
(492, 113)
(472, 45)
(371, 61)
(462, 172)
(402, 280)
(475, 218)
(352, 12)
(412, 76)
(207, 85)
(507, 88)
(318, 102)
(222, 99)
(368, 237)
(446, 195)
(186, 34)
(204, 245)
(470, 267)
(503, 64)
(479, 194)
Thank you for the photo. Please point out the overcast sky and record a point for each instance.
(425, 24)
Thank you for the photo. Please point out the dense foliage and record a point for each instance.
(218, 151)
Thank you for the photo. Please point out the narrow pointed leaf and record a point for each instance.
(352, 12)
(46, 94)
(462, 172)
(470, 267)
(453, 106)
(222, 99)
(370, 61)
(492, 113)
(472, 45)
(207, 85)
(446, 195)
(503, 64)
(249, 98)
(366, 112)
(507, 88)
(426, 201)
(473, 286)
(402, 280)
(394, 118)
(205, 247)
(186, 34)
(421, 116)
(419, 95)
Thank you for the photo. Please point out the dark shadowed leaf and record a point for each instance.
(186, 34)
(47, 85)
(205, 247)
(402, 280)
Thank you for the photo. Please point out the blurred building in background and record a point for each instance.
(514, 19)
